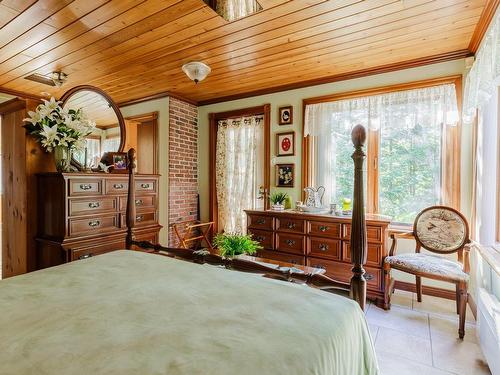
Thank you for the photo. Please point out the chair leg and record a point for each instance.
(419, 288)
(457, 298)
(462, 310)
(387, 287)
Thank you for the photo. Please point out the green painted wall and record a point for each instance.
(162, 107)
(295, 97)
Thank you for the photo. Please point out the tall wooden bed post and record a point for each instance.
(357, 288)
(358, 225)
(131, 213)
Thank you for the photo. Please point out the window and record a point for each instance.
(411, 148)
(239, 165)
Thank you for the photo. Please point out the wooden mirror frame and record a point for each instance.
(121, 122)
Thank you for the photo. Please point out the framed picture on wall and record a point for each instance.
(285, 144)
(285, 115)
(285, 175)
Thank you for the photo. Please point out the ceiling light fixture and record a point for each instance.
(196, 70)
(59, 78)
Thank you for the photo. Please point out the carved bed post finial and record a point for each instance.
(358, 226)
(130, 215)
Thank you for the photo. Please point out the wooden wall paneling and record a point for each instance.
(22, 158)
(14, 226)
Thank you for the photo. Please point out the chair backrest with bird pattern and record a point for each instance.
(441, 229)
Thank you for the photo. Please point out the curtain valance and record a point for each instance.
(430, 105)
(484, 76)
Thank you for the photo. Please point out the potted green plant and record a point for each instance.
(231, 244)
(278, 200)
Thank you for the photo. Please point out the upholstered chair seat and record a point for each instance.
(440, 230)
(432, 265)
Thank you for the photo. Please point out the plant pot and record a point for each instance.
(278, 207)
(62, 158)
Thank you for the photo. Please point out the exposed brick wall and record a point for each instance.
(183, 164)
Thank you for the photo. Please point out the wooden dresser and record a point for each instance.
(83, 214)
(321, 241)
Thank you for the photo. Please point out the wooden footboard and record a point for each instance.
(357, 287)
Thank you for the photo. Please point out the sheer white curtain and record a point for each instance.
(239, 164)
(329, 126)
(483, 78)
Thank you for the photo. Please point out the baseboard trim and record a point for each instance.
(428, 290)
(472, 305)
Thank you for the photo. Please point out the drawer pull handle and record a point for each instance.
(85, 186)
(292, 261)
(323, 247)
(118, 186)
(290, 225)
(145, 186)
(260, 238)
(139, 202)
(94, 205)
(261, 221)
(290, 242)
(139, 218)
(323, 228)
(369, 276)
(94, 223)
(85, 256)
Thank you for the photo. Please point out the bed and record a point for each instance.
(187, 312)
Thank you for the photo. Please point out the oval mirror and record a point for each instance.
(109, 134)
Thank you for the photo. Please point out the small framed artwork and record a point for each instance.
(285, 175)
(285, 115)
(118, 162)
(285, 144)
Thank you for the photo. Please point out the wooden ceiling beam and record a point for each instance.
(483, 24)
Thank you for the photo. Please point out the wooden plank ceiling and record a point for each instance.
(135, 48)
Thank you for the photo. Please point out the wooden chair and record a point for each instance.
(187, 232)
(441, 230)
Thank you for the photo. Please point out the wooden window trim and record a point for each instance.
(373, 138)
(213, 120)
(146, 117)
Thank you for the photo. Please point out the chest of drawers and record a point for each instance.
(321, 241)
(83, 214)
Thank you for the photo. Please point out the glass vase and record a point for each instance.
(62, 157)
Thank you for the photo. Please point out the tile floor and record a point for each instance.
(422, 338)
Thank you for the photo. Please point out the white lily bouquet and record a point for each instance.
(59, 130)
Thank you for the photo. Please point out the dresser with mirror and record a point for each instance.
(82, 213)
